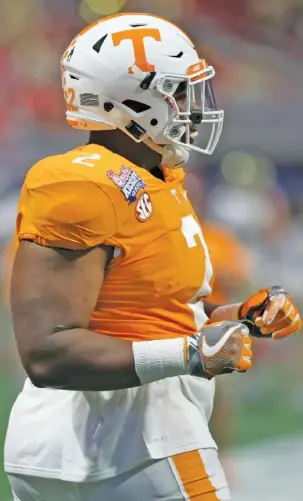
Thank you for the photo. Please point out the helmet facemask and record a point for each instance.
(194, 105)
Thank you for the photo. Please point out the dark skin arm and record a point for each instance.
(209, 307)
(224, 312)
(53, 295)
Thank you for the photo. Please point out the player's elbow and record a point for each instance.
(44, 362)
(41, 367)
(42, 374)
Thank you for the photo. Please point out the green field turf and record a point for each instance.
(8, 391)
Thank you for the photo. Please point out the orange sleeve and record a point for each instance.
(70, 213)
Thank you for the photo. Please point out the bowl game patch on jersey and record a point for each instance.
(129, 182)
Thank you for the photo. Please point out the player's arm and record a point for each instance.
(209, 308)
(53, 295)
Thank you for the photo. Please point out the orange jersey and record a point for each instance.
(90, 196)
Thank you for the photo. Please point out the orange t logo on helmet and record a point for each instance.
(137, 38)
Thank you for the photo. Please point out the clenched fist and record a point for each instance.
(271, 313)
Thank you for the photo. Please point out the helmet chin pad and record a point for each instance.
(173, 155)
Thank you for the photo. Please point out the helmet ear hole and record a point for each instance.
(108, 107)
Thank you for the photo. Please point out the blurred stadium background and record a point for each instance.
(252, 188)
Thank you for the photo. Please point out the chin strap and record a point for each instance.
(173, 155)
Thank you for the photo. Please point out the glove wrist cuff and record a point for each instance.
(239, 312)
(195, 361)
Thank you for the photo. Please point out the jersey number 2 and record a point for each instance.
(83, 160)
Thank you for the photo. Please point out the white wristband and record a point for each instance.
(155, 360)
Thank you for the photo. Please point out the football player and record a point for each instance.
(110, 282)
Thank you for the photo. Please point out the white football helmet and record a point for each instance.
(141, 74)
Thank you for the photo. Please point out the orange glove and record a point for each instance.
(271, 313)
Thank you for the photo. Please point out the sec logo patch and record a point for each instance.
(144, 207)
